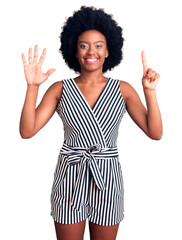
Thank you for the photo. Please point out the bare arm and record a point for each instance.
(32, 120)
(149, 120)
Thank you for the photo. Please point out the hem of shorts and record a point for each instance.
(91, 219)
(56, 220)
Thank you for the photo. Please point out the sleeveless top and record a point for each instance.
(85, 126)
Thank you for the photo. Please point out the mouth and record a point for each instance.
(91, 60)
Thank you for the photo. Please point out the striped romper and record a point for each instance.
(88, 180)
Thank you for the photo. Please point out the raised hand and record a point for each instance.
(150, 77)
(33, 70)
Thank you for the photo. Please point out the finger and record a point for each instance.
(35, 54)
(30, 56)
(42, 57)
(24, 60)
(157, 75)
(50, 71)
(154, 77)
(144, 62)
(150, 73)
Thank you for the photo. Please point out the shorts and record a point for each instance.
(104, 208)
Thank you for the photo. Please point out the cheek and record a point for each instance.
(79, 57)
(103, 52)
(80, 53)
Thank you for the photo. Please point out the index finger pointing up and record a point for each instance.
(144, 62)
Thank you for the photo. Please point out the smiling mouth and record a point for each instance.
(91, 60)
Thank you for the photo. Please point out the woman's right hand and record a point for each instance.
(33, 70)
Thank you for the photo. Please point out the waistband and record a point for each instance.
(96, 150)
(79, 155)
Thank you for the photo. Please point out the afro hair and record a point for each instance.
(90, 18)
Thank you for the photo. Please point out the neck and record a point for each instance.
(91, 77)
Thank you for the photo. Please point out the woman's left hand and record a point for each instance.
(150, 77)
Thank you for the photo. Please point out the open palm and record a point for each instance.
(33, 70)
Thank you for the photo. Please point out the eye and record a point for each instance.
(83, 46)
(98, 46)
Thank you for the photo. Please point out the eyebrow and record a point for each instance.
(94, 42)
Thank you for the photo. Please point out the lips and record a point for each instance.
(91, 60)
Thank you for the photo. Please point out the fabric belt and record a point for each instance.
(80, 155)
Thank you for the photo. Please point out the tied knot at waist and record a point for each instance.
(94, 150)
(80, 155)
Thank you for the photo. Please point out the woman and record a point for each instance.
(88, 178)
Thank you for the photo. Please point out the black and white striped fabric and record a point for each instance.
(88, 179)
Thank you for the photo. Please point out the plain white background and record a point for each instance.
(151, 169)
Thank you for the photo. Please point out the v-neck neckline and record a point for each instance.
(92, 109)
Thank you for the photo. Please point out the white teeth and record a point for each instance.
(91, 59)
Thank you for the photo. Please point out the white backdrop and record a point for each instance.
(151, 169)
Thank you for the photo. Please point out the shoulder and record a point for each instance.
(56, 89)
(126, 90)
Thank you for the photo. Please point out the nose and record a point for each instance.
(91, 50)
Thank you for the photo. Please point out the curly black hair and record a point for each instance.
(90, 18)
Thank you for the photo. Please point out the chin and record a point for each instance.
(92, 68)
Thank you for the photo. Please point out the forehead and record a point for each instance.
(91, 35)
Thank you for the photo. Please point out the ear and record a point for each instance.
(76, 55)
(107, 53)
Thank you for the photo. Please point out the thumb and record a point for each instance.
(50, 71)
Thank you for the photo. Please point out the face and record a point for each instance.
(91, 50)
